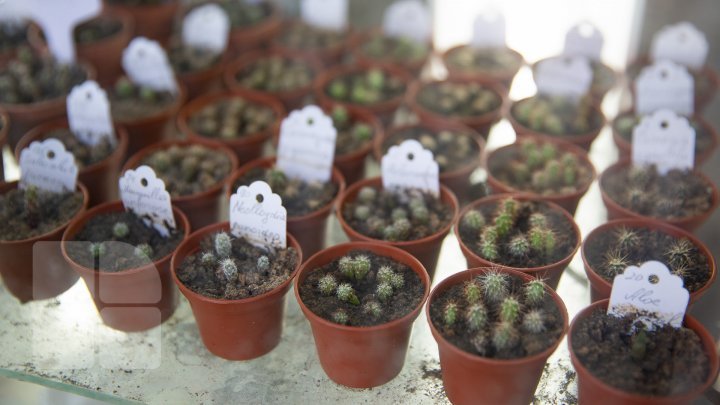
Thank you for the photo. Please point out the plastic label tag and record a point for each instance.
(48, 166)
(567, 76)
(664, 139)
(681, 43)
(651, 292)
(325, 14)
(88, 110)
(410, 166)
(146, 64)
(307, 145)
(258, 215)
(206, 27)
(143, 193)
(408, 19)
(584, 39)
(14, 10)
(489, 30)
(664, 84)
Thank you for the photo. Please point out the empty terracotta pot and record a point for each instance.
(151, 21)
(505, 78)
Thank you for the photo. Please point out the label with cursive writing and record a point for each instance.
(307, 145)
(206, 27)
(664, 139)
(584, 39)
(48, 166)
(651, 292)
(489, 30)
(58, 20)
(329, 15)
(681, 43)
(567, 76)
(146, 64)
(410, 166)
(143, 193)
(258, 215)
(408, 19)
(664, 84)
(88, 110)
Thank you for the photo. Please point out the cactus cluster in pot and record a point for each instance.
(30, 212)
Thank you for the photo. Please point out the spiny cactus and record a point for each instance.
(476, 316)
(542, 241)
(362, 212)
(534, 292)
(346, 293)
(472, 292)
(519, 246)
(341, 317)
(387, 275)
(450, 314)
(398, 213)
(97, 249)
(208, 258)
(384, 291)
(488, 243)
(474, 220)
(367, 195)
(355, 268)
(276, 179)
(543, 169)
(534, 321)
(504, 336)
(615, 262)
(327, 284)
(509, 310)
(229, 269)
(679, 251)
(223, 245)
(143, 250)
(538, 220)
(373, 308)
(263, 263)
(495, 286)
(120, 230)
(626, 238)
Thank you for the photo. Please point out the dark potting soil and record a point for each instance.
(129, 102)
(672, 361)
(607, 256)
(97, 29)
(493, 61)
(208, 279)
(462, 336)
(352, 135)
(85, 155)
(115, 257)
(12, 35)
(625, 124)
(232, 118)
(298, 197)
(24, 216)
(452, 149)
(303, 36)
(677, 194)
(277, 74)
(403, 300)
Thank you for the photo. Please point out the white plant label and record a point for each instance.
(146, 64)
(258, 215)
(681, 43)
(88, 110)
(584, 39)
(667, 85)
(58, 20)
(307, 145)
(664, 139)
(488, 30)
(206, 27)
(651, 292)
(408, 19)
(325, 14)
(410, 166)
(143, 193)
(567, 76)
(14, 10)
(48, 166)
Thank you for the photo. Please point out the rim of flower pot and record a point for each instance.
(446, 196)
(39, 131)
(379, 249)
(520, 197)
(134, 161)
(107, 207)
(506, 76)
(199, 235)
(651, 224)
(322, 55)
(127, 27)
(205, 74)
(688, 322)
(164, 114)
(273, 21)
(598, 95)
(268, 162)
(469, 274)
(5, 187)
(409, 65)
(680, 222)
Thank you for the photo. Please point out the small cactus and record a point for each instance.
(626, 238)
(355, 268)
(474, 220)
(472, 291)
(373, 308)
(450, 313)
(208, 258)
(495, 286)
(97, 249)
(327, 284)
(361, 212)
(535, 292)
(384, 291)
(476, 316)
(519, 246)
(263, 263)
(488, 243)
(346, 293)
(504, 336)
(615, 262)
(509, 310)
(398, 213)
(538, 220)
(143, 251)
(367, 195)
(276, 179)
(504, 223)
(340, 317)
(638, 345)
(229, 269)
(679, 251)
(223, 245)
(120, 230)
(534, 321)
(421, 214)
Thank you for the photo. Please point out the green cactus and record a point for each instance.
(340, 317)
(263, 263)
(97, 249)
(208, 258)
(367, 195)
(340, 115)
(354, 268)
(346, 293)
(143, 251)
(373, 308)
(327, 285)
(476, 316)
(534, 321)
(626, 239)
(538, 220)
(472, 292)
(504, 223)
(509, 310)
(638, 346)
(421, 214)
(384, 291)
(450, 313)
(535, 292)
(519, 246)
(474, 220)
(362, 212)
(376, 79)
(276, 179)
(229, 269)
(398, 213)
(615, 262)
(223, 245)
(679, 252)
(120, 230)
(362, 132)
(495, 286)
(504, 336)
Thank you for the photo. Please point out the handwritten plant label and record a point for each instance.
(681, 43)
(664, 139)
(307, 145)
(58, 20)
(408, 19)
(143, 193)
(88, 110)
(489, 30)
(650, 291)
(325, 14)
(410, 166)
(206, 27)
(664, 84)
(584, 39)
(567, 76)
(146, 64)
(258, 215)
(48, 166)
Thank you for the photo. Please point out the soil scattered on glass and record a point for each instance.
(32, 212)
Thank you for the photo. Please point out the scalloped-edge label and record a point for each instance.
(584, 39)
(489, 30)
(664, 139)
(48, 166)
(143, 193)
(58, 20)
(146, 64)
(664, 85)
(306, 148)
(566, 76)
(681, 43)
(206, 27)
(408, 19)
(325, 14)
(257, 214)
(651, 292)
(89, 117)
(410, 166)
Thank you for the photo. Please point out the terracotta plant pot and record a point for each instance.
(235, 329)
(457, 180)
(328, 56)
(352, 165)
(101, 178)
(200, 82)
(257, 36)
(472, 379)
(413, 67)
(426, 250)
(591, 390)
(134, 299)
(151, 21)
(600, 288)
(5, 122)
(497, 159)
(247, 147)
(504, 78)
(361, 357)
(617, 211)
(310, 228)
(202, 208)
(550, 273)
(46, 277)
